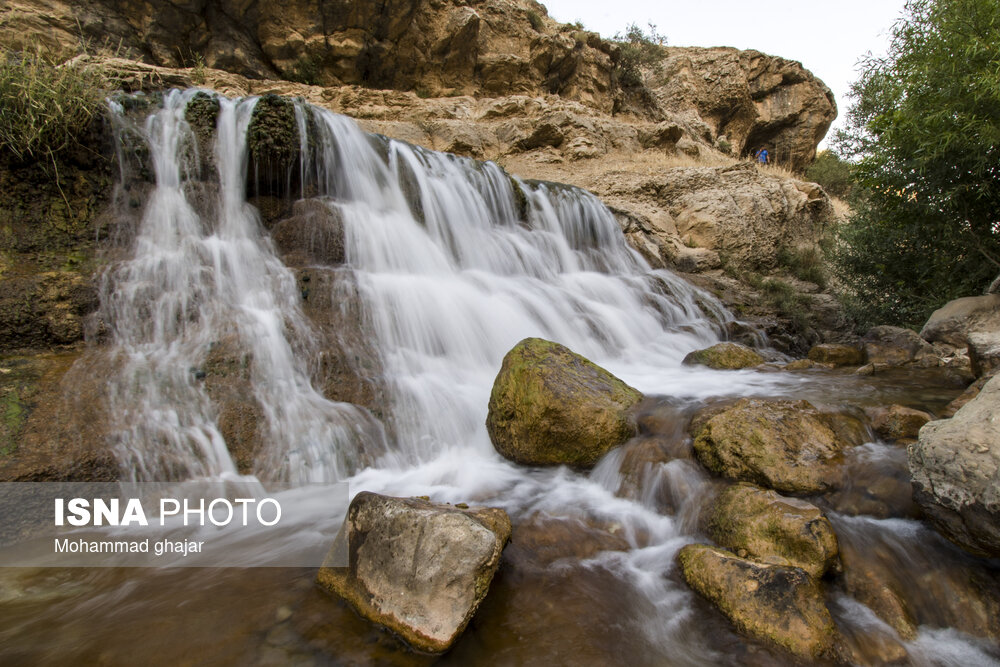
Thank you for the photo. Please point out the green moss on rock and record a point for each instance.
(550, 406)
(725, 356)
(273, 135)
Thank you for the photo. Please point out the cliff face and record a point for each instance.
(445, 48)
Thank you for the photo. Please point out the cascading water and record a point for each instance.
(455, 262)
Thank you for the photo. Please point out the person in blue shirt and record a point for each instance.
(762, 156)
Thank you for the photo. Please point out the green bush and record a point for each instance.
(805, 264)
(45, 108)
(536, 21)
(832, 173)
(637, 49)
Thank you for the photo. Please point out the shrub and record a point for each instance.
(805, 264)
(536, 21)
(831, 172)
(45, 108)
(637, 49)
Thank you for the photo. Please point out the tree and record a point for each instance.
(833, 173)
(924, 135)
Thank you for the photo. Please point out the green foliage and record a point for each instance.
(305, 70)
(536, 21)
(45, 108)
(637, 49)
(831, 172)
(924, 134)
(805, 264)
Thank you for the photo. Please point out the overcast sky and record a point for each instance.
(827, 37)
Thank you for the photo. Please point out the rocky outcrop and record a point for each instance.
(837, 354)
(418, 568)
(784, 445)
(770, 528)
(954, 321)
(550, 406)
(956, 473)
(725, 356)
(897, 422)
(895, 346)
(773, 603)
(741, 100)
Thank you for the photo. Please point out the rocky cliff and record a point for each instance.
(445, 48)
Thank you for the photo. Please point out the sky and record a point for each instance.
(828, 38)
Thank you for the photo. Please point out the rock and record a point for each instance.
(550, 406)
(897, 422)
(837, 354)
(867, 580)
(773, 529)
(955, 466)
(984, 352)
(954, 321)
(785, 445)
(313, 235)
(773, 603)
(727, 356)
(45, 309)
(970, 393)
(418, 568)
(894, 346)
(543, 539)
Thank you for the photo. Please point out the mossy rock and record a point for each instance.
(784, 445)
(725, 356)
(550, 406)
(771, 528)
(776, 604)
(837, 354)
(273, 135)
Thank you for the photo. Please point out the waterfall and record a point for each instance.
(455, 262)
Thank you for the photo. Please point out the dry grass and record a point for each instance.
(653, 161)
(840, 207)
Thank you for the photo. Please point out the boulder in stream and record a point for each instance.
(784, 445)
(551, 406)
(837, 354)
(418, 568)
(956, 473)
(954, 321)
(897, 422)
(725, 356)
(773, 603)
(771, 528)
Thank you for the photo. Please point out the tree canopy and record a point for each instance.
(924, 135)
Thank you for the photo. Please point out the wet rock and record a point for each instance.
(273, 143)
(955, 464)
(837, 354)
(226, 375)
(803, 365)
(771, 528)
(543, 539)
(895, 346)
(867, 580)
(550, 406)
(418, 568)
(773, 603)
(984, 352)
(897, 422)
(954, 321)
(44, 309)
(725, 356)
(785, 445)
(313, 235)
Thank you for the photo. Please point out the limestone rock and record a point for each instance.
(837, 354)
(550, 406)
(771, 528)
(954, 321)
(418, 568)
(773, 603)
(970, 393)
(725, 356)
(956, 473)
(984, 352)
(313, 235)
(897, 422)
(895, 346)
(785, 445)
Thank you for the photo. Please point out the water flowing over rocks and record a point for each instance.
(784, 445)
(956, 467)
(771, 528)
(418, 568)
(779, 604)
(725, 356)
(550, 406)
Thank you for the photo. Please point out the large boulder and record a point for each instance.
(954, 321)
(984, 352)
(418, 568)
(725, 356)
(785, 445)
(897, 422)
(551, 406)
(837, 354)
(895, 346)
(773, 603)
(956, 473)
(771, 528)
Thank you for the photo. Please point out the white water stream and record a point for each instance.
(450, 281)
